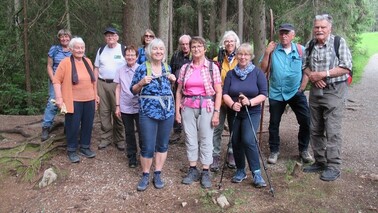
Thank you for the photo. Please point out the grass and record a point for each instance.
(361, 56)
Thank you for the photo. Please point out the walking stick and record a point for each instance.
(267, 74)
(228, 147)
(271, 190)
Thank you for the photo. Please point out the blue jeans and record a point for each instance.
(298, 104)
(128, 122)
(243, 140)
(83, 117)
(154, 134)
(51, 109)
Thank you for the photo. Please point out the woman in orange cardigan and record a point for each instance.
(75, 88)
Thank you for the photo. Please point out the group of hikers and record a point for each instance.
(137, 92)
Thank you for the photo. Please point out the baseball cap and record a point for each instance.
(286, 26)
(110, 30)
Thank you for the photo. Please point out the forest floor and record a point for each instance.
(107, 184)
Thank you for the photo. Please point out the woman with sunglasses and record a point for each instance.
(146, 39)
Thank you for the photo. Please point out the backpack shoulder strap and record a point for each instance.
(149, 69)
(123, 47)
(167, 68)
(336, 45)
(101, 49)
(310, 47)
(300, 51)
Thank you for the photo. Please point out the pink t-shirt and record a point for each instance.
(195, 87)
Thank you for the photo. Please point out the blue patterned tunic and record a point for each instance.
(162, 106)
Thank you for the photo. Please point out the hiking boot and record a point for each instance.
(193, 175)
(205, 179)
(239, 176)
(306, 157)
(273, 157)
(143, 183)
(73, 157)
(45, 133)
(330, 174)
(158, 183)
(258, 180)
(103, 144)
(315, 167)
(231, 161)
(86, 152)
(214, 167)
(133, 161)
(121, 146)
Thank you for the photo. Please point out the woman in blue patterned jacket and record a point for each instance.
(152, 81)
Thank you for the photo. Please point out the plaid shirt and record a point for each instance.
(324, 58)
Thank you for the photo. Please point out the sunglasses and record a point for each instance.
(149, 36)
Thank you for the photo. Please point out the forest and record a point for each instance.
(28, 28)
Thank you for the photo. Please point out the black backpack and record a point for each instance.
(336, 45)
(123, 47)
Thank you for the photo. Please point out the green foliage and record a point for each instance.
(364, 50)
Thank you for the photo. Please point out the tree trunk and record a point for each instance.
(26, 53)
(223, 16)
(259, 28)
(163, 32)
(200, 18)
(240, 20)
(213, 15)
(136, 19)
(68, 15)
(170, 44)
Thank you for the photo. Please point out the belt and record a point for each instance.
(106, 80)
(332, 85)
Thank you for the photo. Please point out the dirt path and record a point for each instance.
(106, 184)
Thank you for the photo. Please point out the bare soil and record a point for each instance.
(107, 184)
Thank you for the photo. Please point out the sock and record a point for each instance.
(193, 167)
(157, 172)
(146, 174)
(205, 170)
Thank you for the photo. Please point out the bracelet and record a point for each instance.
(250, 103)
(117, 104)
(216, 110)
(232, 106)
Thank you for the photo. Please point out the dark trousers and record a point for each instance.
(81, 119)
(243, 141)
(129, 122)
(299, 105)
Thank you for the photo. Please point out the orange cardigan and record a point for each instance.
(63, 76)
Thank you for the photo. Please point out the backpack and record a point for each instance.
(336, 45)
(149, 68)
(210, 69)
(123, 47)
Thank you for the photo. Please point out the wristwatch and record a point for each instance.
(328, 75)
(216, 110)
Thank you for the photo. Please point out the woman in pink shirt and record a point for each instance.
(198, 98)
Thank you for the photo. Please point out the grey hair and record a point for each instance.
(154, 43)
(228, 34)
(322, 17)
(184, 36)
(64, 32)
(75, 40)
(246, 47)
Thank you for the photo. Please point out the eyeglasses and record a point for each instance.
(110, 35)
(149, 36)
(130, 55)
(243, 54)
(196, 47)
(229, 41)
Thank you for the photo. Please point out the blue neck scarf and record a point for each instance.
(242, 73)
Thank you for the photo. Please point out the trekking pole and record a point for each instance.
(271, 190)
(228, 148)
(267, 71)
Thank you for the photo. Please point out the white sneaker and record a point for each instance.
(273, 157)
